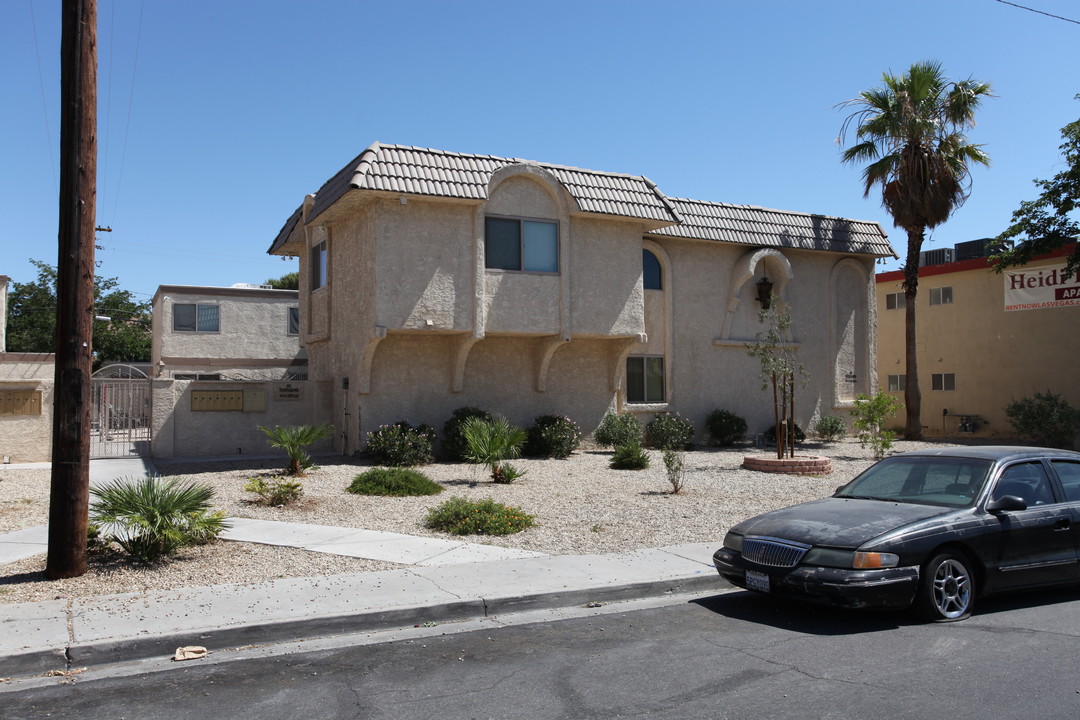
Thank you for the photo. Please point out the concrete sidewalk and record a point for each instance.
(449, 580)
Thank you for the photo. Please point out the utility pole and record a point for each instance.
(69, 500)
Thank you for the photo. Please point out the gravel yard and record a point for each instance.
(580, 504)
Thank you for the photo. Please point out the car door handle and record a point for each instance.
(1063, 524)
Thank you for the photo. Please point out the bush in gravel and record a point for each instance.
(674, 464)
(1047, 420)
(616, 430)
(393, 482)
(669, 431)
(275, 491)
(830, 428)
(553, 436)
(294, 439)
(870, 413)
(770, 435)
(151, 518)
(490, 443)
(630, 456)
(454, 445)
(460, 516)
(402, 445)
(725, 428)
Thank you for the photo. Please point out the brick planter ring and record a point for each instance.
(798, 465)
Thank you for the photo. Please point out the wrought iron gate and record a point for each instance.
(120, 414)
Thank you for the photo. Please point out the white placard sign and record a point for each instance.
(1040, 288)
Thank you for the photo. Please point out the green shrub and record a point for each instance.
(394, 482)
(459, 516)
(1046, 420)
(725, 428)
(674, 463)
(490, 442)
(770, 435)
(669, 431)
(151, 518)
(830, 428)
(870, 413)
(454, 445)
(552, 436)
(275, 491)
(294, 439)
(616, 430)
(402, 445)
(630, 457)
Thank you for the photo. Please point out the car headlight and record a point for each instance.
(827, 557)
(733, 541)
(870, 560)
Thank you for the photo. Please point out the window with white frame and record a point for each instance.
(294, 321)
(941, 296)
(522, 245)
(318, 265)
(895, 301)
(645, 379)
(896, 383)
(195, 317)
(943, 381)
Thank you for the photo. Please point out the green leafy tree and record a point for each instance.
(780, 368)
(124, 337)
(1051, 221)
(871, 412)
(910, 134)
(288, 281)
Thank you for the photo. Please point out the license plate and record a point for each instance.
(757, 581)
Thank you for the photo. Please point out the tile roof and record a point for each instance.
(405, 169)
(424, 171)
(751, 225)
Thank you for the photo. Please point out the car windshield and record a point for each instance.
(952, 482)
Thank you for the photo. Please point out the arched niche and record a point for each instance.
(742, 284)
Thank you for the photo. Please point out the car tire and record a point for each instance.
(947, 590)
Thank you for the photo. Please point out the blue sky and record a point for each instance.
(216, 118)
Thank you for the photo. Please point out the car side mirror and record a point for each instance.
(1007, 503)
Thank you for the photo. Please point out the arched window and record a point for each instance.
(651, 271)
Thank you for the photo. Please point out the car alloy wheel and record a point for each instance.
(948, 590)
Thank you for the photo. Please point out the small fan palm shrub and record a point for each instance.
(460, 516)
(151, 518)
(616, 430)
(553, 436)
(491, 442)
(394, 482)
(630, 456)
(294, 440)
(402, 445)
(454, 445)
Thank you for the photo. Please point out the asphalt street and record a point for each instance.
(733, 655)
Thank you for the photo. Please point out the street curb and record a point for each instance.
(118, 650)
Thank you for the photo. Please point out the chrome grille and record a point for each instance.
(773, 551)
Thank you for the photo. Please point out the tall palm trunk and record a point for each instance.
(912, 393)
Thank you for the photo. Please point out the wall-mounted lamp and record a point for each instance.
(764, 292)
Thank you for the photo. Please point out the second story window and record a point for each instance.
(650, 271)
(895, 301)
(190, 317)
(318, 265)
(941, 296)
(294, 321)
(523, 245)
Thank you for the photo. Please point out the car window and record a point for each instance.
(1027, 481)
(1069, 472)
(954, 482)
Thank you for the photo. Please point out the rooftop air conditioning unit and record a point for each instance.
(973, 249)
(935, 257)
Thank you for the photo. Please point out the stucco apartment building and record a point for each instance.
(433, 280)
(984, 339)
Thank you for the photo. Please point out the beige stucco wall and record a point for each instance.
(252, 337)
(181, 432)
(27, 438)
(996, 356)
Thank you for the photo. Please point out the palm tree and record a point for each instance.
(910, 132)
(294, 441)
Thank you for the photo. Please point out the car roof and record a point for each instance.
(997, 453)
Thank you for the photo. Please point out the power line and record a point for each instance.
(1040, 12)
(44, 105)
